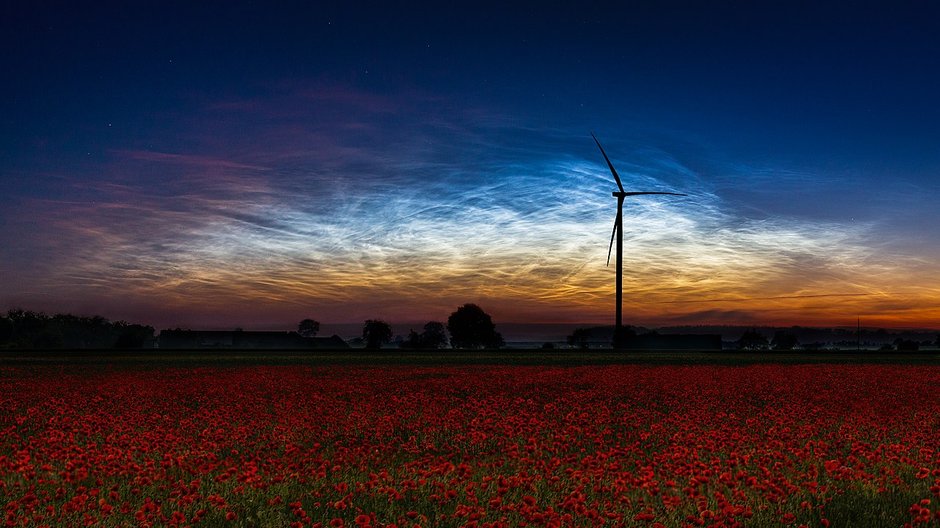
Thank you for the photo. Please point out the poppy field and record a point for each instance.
(405, 446)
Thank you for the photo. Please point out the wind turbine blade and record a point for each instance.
(639, 193)
(609, 164)
(612, 235)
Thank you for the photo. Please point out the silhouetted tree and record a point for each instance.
(938, 340)
(6, 331)
(627, 336)
(308, 328)
(132, 335)
(579, 338)
(376, 333)
(413, 340)
(906, 345)
(34, 330)
(38, 330)
(471, 327)
(784, 340)
(434, 336)
(752, 340)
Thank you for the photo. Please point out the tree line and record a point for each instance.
(753, 339)
(26, 329)
(469, 327)
(787, 340)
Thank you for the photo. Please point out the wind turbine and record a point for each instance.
(618, 232)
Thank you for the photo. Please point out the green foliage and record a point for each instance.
(471, 327)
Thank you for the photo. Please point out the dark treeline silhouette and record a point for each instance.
(639, 338)
(808, 337)
(603, 336)
(753, 340)
(23, 329)
(784, 340)
(434, 336)
(471, 327)
(762, 338)
(376, 333)
(308, 328)
(757, 338)
(580, 338)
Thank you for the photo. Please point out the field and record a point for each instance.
(306, 444)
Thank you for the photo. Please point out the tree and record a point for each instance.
(579, 338)
(471, 327)
(434, 336)
(6, 330)
(784, 340)
(752, 340)
(627, 336)
(308, 328)
(413, 341)
(376, 333)
(132, 335)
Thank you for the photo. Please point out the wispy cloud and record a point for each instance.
(406, 217)
(199, 162)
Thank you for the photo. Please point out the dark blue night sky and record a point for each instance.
(239, 163)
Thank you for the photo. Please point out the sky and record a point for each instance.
(250, 164)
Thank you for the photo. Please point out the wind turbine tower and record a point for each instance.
(618, 233)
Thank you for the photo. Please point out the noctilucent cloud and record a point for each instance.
(251, 164)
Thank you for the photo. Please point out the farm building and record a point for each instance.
(602, 336)
(239, 339)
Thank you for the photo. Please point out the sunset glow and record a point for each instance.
(399, 177)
